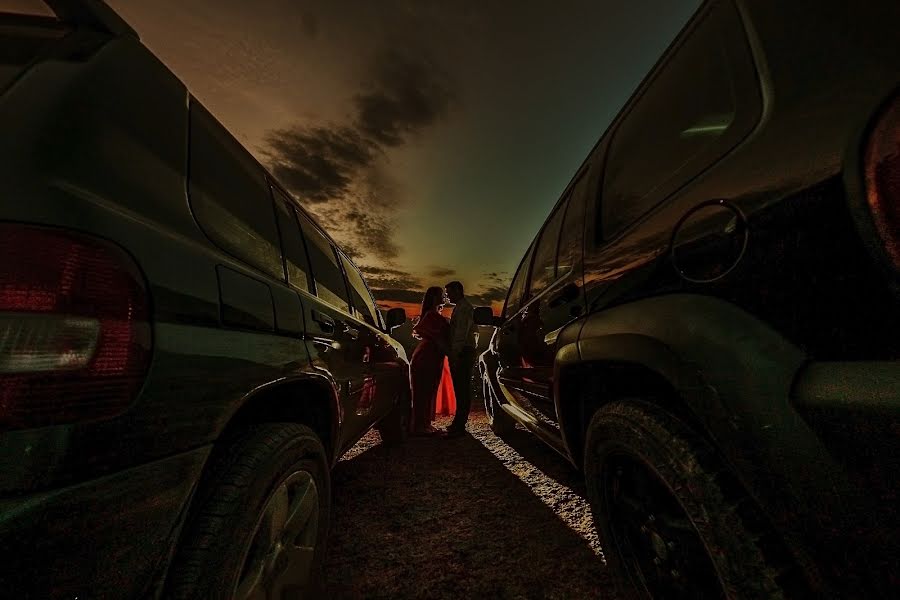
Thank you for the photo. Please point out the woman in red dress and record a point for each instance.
(427, 364)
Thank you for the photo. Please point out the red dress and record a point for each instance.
(426, 367)
(446, 398)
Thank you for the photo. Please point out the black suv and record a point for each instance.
(184, 353)
(707, 323)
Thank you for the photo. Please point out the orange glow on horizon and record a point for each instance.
(413, 309)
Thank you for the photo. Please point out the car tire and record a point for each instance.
(261, 516)
(666, 515)
(498, 419)
(394, 428)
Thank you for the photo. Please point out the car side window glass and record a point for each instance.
(296, 261)
(543, 271)
(517, 289)
(673, 130)
(326, 270)
(230, 196)
(571, 238)
(362, 299)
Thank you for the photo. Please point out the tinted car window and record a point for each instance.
(362, 299)
(517, 289)
(230, 196)
(571, 237)
(686, 117)
(295, 260)
(543, 271)
(326, 271)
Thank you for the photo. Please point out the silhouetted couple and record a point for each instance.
(439, 339)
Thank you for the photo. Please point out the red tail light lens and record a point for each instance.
(882, 162)
(74, 331)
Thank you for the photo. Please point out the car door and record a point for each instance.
(385, 374)
(555, 297)
(333, 335)
(506, 340)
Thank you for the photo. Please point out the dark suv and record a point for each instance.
(184, 353)
(708, 323)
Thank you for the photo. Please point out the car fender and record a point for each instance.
(735, 375)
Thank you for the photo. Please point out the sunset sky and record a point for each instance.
(430, 138)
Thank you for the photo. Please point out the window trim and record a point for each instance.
(561, 204)
(343, 255)
(529, 255)
(315, 281)
(290, 205)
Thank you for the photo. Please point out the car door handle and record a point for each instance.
(324, 321)
(352, 332)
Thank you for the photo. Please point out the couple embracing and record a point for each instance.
(439, 339)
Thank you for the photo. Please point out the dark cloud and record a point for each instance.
(375, 234)
(337, 171)
(310, 24)
(410, 92)
(398, 295)
(318, 163)
(380, 278)
(442, 272)
(489, 294)
(498, 277)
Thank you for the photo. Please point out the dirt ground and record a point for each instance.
(468, 517)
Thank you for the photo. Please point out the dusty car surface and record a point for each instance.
(707, 323)
(184, 352)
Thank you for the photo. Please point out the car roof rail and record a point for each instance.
(94, 14)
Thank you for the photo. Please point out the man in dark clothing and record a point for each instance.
(462, 355)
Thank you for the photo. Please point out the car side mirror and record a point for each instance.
(483, 315)
(395, 317)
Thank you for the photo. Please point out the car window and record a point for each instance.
(685, 118)
(517, 289)
(296, 261)
(230, 196)
(571, 238)
(326, 271)
(543, 271)
(362, 299)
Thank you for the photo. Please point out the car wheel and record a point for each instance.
(261, 522)
(667, 524)
(498, 419)
(394, 428)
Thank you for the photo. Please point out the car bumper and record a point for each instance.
(854, 409)
(109, 537)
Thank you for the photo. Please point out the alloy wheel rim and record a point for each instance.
(280, 556)
(660, 548)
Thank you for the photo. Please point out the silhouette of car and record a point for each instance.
(707, 322)
(184, 352)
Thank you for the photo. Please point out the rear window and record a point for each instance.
(230, 195)
(702, 102)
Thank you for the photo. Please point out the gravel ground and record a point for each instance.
(469, 517)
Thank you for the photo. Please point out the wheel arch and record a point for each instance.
(612, 368)
(308, 399)
(728, 375)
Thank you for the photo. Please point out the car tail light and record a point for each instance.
(882, 165)
(74, 331)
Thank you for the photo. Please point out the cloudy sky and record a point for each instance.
(430, 138)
